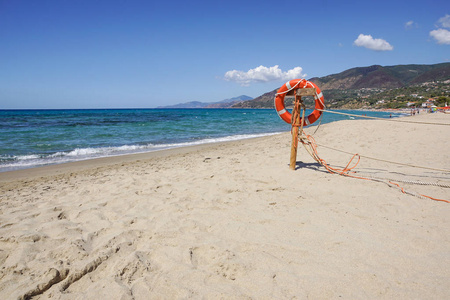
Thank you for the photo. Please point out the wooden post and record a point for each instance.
(295, 124)
(297, 121)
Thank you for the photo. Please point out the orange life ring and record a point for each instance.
(294, 85)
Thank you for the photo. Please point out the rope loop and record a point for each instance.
(311, 147)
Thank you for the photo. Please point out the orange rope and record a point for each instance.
(309, 140)
(403, 191)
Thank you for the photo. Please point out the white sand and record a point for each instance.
(232, 221)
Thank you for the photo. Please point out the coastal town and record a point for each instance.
(420, 96)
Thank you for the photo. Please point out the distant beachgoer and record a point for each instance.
(390, 116)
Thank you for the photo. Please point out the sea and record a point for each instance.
(32, 138)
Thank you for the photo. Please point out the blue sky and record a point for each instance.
(139, 54)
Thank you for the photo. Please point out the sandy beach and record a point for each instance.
(232, 221)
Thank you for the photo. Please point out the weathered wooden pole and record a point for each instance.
(297, 121)
(294, 131)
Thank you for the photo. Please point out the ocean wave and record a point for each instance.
(11, 163)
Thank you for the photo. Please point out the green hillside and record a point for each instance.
(375, 86)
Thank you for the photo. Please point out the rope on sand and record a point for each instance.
(387, 161)
(385, 119)
(311, 146)
(443, 185)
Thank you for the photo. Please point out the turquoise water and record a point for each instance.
(31, 138)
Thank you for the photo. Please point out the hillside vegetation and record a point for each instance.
(375, 87)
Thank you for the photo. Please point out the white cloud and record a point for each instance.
(369, 42)
(442, 36)
(263, 74)
(445, 21)
(410, 24)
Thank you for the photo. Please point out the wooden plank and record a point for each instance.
(306, 92)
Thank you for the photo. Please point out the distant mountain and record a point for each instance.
(221, 104)
(383, 77)
(374, 77)
(229, 102)
(263, 101)
(192, 104)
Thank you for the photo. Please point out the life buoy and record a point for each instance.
(294, 85)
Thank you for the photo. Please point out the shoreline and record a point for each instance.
(30, 161)
(230, 220)
(109, 161)
(96, 162)
(226, 139)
